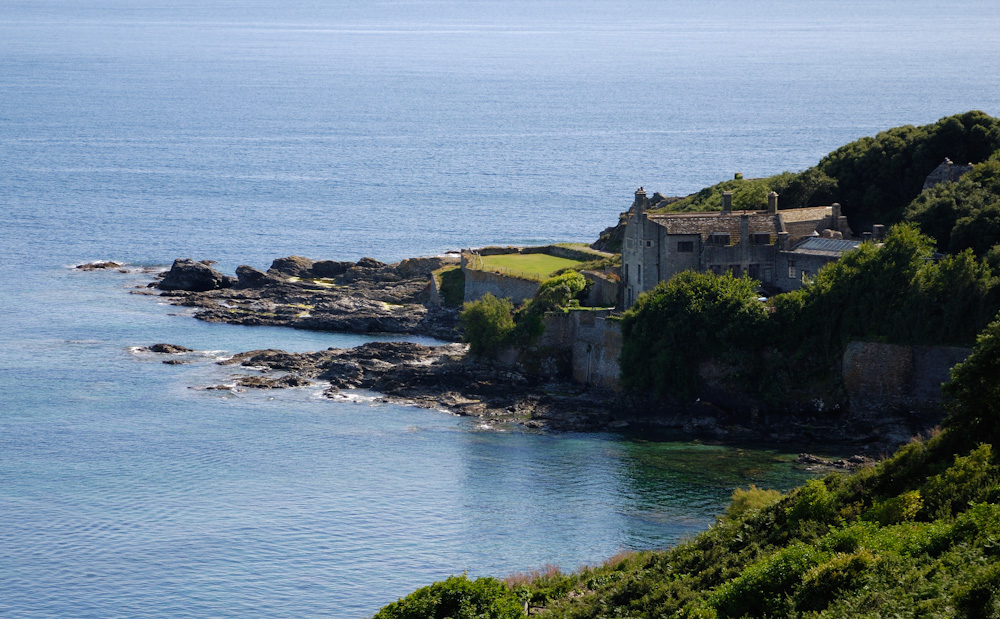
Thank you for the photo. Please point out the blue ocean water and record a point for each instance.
(243, 131)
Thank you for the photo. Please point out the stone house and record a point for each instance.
(778, 248)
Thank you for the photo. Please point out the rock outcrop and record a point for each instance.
(364, 297)
(191, 276)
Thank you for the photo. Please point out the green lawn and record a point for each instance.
(532, 266)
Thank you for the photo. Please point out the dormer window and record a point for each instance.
(761, 238)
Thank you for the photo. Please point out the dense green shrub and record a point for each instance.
(488, 323)
(877, 177)
(975, 390)
(894, 293)
(458, 598)
(680, 323)
(753, 498)
(560, 291)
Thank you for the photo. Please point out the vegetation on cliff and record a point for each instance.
(894, 292)
(873, 178)
(917, 535)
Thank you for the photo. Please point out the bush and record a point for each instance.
(458, 598)
(763, 588)
(753, 498)
(488, 324)
(975, 390)
(680, 323)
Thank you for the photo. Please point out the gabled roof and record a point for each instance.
(717, 222)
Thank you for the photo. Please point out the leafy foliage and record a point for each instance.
(893, 292)
(975, 389)
(877, 177)
(680, 323)
(458, 598)
(488, 323)
(491, 323)
(964, 214)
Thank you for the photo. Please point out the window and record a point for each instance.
(735, 270)
(649, 243)
(805, 275)
(638, 273)
(716, 268)
(685, 247)
(760, 238)
(792, 273)
(753, 271)
(629, 243)
(626, 272)
(718, 239)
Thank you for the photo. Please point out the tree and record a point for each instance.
(488, 323)
(682, 322)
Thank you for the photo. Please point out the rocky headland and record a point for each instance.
(531, 389)
(367, 296)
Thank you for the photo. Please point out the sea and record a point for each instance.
(244, 130)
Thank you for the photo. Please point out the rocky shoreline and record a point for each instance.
(373, 297)
(367, 296)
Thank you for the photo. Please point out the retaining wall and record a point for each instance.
(595, 343)
(478, 283)
(882, 377)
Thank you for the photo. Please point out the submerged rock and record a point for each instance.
(167, 348)
(99, 265)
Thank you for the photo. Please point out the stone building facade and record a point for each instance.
(657, 246)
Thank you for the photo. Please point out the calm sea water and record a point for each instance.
(244, 131)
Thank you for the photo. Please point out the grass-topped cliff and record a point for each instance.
(917, 535)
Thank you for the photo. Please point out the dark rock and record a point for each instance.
(176, 362)
(96, 266)
(370, 263)
(292, 266)
(330, 268)
(186, 274)
(420, 267)
(264, 382)
(170, 349)
(250, 277)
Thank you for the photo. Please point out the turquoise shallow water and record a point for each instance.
(244, 131)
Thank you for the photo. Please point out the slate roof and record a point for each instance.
(818, 246)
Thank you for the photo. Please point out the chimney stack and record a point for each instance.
(727, 202)
(641, 202)
(835, 224)
(772, 203)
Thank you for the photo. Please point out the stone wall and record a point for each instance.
(478, 283)
(603, 289)
(888, 377)
(595, 343)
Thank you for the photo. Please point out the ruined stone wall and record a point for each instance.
(604, 290)
(478, 283)
(888, 377)
(594, 340)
